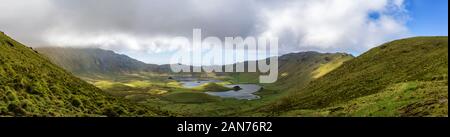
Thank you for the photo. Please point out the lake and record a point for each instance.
(246, 91)
(194, 83)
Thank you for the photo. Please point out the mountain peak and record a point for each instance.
(94, 60)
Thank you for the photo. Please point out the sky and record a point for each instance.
(428, 18)
(142, 29)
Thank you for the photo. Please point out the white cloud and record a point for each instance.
(147, 26)
(112, 40)
(21, 19)
(335, 25)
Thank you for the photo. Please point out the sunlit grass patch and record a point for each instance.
(174, 84)
(212, 87)
(139, 84)
(403, 99)
(157, 91)
(330, 66)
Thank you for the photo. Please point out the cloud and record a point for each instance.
(112, 40)
(335, 25)
(145, 26)
(26, 20)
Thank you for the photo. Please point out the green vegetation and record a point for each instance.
(212, 87)
(157, 91)
(179, 101)
(190, 97)
(30, 85)
(169, 90)
(297, 69)
(423, 60)
(404, 99)
(91, 61)
(330, 66)
(406, 77)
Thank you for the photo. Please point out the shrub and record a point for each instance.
(27, 105)
(36, 88)
(109, 112)
(11, 94)
(114, 111)
(76, 102)
(15, 108)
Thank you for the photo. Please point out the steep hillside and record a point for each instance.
(30, 85)
(85, 61)
(382, 71)
(298, 69)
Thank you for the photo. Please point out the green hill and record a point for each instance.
(88, 61)
(407, 77)
(30, 85)
(297, 69)
(375, 83)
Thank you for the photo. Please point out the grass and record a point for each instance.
(190, 97)
(94, 61)
(403, 99)
(212, 87)
(139, 84)
(155, 90)
(31, 85)
(169, 96)
(169, 90)
(400, 78)
(297, 69)
(330, 66)
(423, 59)
(210, 107)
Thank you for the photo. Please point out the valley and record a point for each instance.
(407, 77)
(206, 94)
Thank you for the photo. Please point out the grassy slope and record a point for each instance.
(403, 99)
(30, 85)
(212, 87)
(179, 101)
(88, 61)
(423, 60)
(298, 65)
(298, 69)
(402, 78)
(152, 88)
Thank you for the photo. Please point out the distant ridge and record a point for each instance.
(95, 61)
